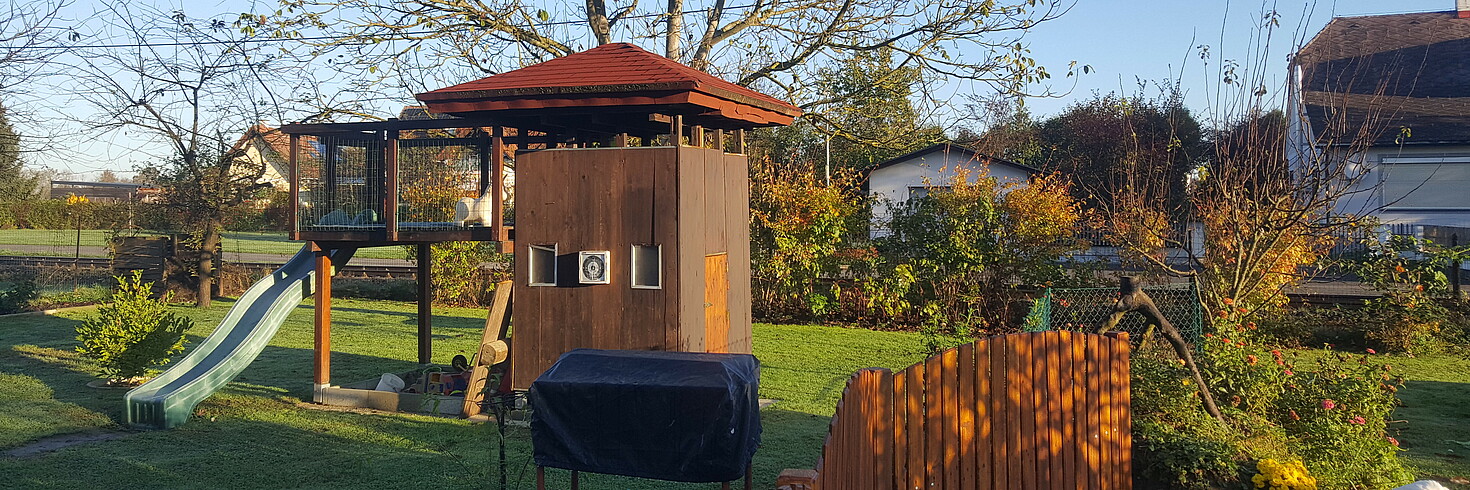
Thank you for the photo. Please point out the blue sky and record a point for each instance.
(1122, 41)
(1156, 40)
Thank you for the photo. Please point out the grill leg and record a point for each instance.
(749, 471)
(575, 476)
(540, 478)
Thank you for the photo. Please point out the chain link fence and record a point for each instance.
(1085, 309)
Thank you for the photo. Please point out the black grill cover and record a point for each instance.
(680, 416)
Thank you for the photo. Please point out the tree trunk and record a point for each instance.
(1132, 298)
(676, 29)
(208, 244)
(597, 21)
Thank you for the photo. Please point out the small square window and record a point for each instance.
(648, 267)
(542, 265)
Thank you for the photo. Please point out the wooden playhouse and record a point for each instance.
(630, 212)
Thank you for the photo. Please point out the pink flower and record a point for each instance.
(1393, 441)
(1371, 351)
(1289, 373)
(1358, 420)
(1327, 404)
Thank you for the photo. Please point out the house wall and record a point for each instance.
(890, 186)
(1412, 185)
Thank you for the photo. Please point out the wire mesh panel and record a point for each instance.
(434, 175)
(342, 181)
(1086, 309)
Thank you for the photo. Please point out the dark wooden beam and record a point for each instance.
(390, 191)
(294, 213)
(426, 304)
(497, 183)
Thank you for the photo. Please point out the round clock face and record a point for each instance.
(593, 267)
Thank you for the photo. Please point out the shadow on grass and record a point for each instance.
(1435, 434)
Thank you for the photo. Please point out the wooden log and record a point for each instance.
(322, 320)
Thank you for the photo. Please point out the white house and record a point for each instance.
(1406, 78)
(897, 181)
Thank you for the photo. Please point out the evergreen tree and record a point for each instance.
(14, 182)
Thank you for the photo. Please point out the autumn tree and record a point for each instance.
(189, 87)
(386, 50)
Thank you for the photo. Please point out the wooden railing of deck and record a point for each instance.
(1045, 410)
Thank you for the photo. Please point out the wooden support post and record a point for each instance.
(676, 131)
(696, 136)
(322, 355)
(497, 183)
(620, 140)
(720, 140)
(426, 304)
(295, 206)
(740, 141)
(390, 192)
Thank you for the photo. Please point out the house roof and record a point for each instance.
(276, 144)
(612, 77)
(954, 148)
(1387, 72)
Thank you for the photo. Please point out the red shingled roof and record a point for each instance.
(608, 75)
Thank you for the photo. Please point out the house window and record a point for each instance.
(919, 192)
(1425, 182)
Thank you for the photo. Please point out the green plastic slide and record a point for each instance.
(168, 400)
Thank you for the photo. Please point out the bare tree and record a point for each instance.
(186, 88)
(394, 48)
(28, 36)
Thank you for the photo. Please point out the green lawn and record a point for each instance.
(63, 243)
(254, 434)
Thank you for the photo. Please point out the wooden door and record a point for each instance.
(716, 303)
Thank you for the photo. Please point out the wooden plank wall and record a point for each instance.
(602, 199)
(1031, 410)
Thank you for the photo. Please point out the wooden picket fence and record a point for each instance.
(1028, 410)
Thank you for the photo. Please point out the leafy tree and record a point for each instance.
(880, 121)
(1109, 144)
(389, 48)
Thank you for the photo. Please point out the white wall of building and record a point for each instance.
(895, 184)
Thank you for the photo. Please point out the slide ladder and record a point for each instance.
(167, 400)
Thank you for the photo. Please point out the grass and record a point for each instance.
(1435, 431)
(257, 422)
(62, 243)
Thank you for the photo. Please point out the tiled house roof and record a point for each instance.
(1409, 74)
(611, 75)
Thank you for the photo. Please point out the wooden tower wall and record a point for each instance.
(691, 201)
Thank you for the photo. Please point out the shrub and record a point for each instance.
(133, 332)
(20, 294)
(1330, 415)
(460, 277)
(798, 225)
(975, 245)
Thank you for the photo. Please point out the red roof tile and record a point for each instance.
(617, 68)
